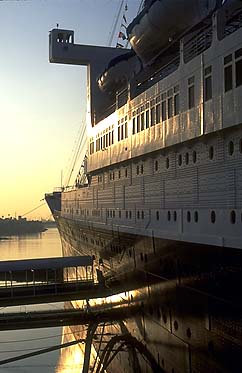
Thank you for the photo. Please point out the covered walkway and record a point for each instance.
(34, 281)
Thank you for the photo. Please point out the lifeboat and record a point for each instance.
(162, 21)
(119, 71)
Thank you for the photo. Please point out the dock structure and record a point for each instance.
(48, 280)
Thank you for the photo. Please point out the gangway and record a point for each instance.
(35, 281)
(65, 317)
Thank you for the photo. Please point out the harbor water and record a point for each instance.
(20, 342)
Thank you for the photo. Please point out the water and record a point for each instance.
(14, 343)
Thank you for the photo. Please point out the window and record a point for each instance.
(191, 92)
(208, 83)
(163, 111)
(147, 118)
(156, 165)
(163, 107)
(138, 123)
(92, 147)
(176, 100)
(238, 72)
(228, 73)
(142, 118)
(238, 67)
(119, 136)
(134, 126)
(157, 113)
(176, 104)
(169, 104)
(125, 130)
(152, 116)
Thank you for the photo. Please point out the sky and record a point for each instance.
(42, 105)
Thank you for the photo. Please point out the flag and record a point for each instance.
(124, 18)
(121, 35)
(118, 45)
(122, 25)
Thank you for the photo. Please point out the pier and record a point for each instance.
(36, 281)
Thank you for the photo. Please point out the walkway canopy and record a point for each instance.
(46, 268)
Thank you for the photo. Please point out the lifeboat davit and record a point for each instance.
(162, 21)
(119, 72)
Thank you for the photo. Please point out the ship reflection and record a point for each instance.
(176, 324)
(70, 358)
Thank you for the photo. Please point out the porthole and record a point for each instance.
(211, 347)
(194, 156)
(141, 169)
(240, 145)
(156, 165)
(164, 317)
(180, 160)
(167, 163)
(195, 216)
(213, 217)
(189, 333)
(126, 172)
(187, 158)
(119, 174)
(231, 148)
(232, 217)
(174, 215)
(188, 216)
(151, 310)
(211, 152)
(175, 325)
(169, 215)
(157, 215)
(137, 170)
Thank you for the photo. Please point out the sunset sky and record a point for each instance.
(42, 104)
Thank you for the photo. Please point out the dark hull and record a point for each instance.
(190, 298)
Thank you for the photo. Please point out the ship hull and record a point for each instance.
(189, 297)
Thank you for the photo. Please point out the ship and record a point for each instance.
(11, 226)
(159, 202)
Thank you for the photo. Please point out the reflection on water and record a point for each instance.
(71, 358)
(14, 343)
(41, 245)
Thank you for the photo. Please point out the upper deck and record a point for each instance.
(196, 93)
